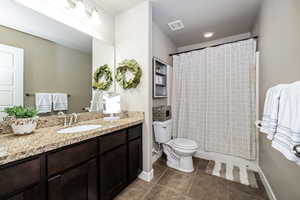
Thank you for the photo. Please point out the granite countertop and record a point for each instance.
(13, 148)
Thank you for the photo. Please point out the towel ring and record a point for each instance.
(297, 150)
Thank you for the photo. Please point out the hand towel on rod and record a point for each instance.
(60, 101)
(287, 134)
(271, 108)
(43, 102)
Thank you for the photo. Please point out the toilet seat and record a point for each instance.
(182, 143)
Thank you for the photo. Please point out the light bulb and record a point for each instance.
(80, 9)
(95, 17)
(208, 34)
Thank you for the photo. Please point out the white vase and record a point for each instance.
(24, 126)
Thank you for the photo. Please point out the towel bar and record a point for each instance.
(32, 95)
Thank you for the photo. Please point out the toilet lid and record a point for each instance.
(184, 143)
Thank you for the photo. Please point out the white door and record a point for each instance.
(11, 77)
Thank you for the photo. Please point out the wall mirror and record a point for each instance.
(39, 54)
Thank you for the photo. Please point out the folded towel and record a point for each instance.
(60, 101)
(287, 134)
(271, 109)
(43, 102)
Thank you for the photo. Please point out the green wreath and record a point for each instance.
(98, 74)
(133, 67)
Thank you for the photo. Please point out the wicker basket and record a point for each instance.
(162, 113)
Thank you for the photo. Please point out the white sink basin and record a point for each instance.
(78, 129)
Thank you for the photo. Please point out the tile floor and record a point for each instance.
(170, 184)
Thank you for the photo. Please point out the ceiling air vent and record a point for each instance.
(176, 25)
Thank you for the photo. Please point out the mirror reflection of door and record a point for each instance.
(11, 77)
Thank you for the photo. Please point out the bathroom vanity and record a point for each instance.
(94, 165)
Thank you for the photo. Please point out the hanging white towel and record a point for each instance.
(271, 109)
(43, 102)
(60, 101)
(287, 134)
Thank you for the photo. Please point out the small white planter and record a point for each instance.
(24, 126)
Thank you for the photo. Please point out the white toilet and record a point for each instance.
(179, 151)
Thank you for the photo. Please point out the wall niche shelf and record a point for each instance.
(160, 79)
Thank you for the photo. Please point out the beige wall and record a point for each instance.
(133, 40)
(50, 67)
(279, 43)
(162, 47)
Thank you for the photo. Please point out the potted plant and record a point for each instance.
(24, 120)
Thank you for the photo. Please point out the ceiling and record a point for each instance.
(28, 21)
(224, 17)
(116, 6)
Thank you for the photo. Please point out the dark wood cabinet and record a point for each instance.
(113, 172)
(135, 164)
(97, 169)
(79, 183)
(21, 180)
(32, 193)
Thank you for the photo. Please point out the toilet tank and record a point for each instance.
(162, 131)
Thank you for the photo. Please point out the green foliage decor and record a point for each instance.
(98, 74)
(21, 112)
(133, 67)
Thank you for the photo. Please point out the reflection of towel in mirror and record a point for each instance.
(43, 102)
(60, 101)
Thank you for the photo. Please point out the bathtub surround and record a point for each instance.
(279, 63)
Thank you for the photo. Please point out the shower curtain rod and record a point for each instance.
(173, 54)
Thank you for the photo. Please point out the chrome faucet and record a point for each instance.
(73, 118)
(63, 115)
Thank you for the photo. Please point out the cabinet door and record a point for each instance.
(79, 183)
(33, 193)
(113, 172)
(21, 181)
(134, 158)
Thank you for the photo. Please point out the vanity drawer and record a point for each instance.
(19, 176)
(71, 156)
(135, 132)
(112, 140)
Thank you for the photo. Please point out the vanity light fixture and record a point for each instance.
(208, 34)
(77, 8)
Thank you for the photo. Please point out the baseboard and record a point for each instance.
(146, 176)
(253, 165)
(267, 185)
(156, 156)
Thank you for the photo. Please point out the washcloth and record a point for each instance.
(43, 102)
(60, 101)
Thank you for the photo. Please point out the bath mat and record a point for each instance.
(233, 173)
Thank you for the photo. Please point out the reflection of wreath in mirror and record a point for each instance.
(133, 67)
(98, 74)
